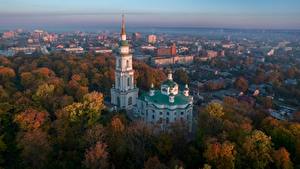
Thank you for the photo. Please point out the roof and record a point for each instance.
(161, 99)
(170, 83)
(124, 43)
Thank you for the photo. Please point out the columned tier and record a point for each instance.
(124, 93)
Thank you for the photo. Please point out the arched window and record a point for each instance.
(130, 101)
(119, 63)
(119, 82)
(127, 63)
(128, 81)
(118, 101)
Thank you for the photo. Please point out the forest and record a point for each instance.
(53, 115)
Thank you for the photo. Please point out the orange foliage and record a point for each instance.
(96, 157)
(7, 73)
(117, 124)
(282, 159)
(76, 77)
(31, 119)
(44, 72)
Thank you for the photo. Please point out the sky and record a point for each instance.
(264, 14)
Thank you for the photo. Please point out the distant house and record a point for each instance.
(165, 61)
(284, 113)
(293, 82)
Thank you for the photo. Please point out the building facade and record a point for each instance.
(167, 51)
(172, 60)
(166, 106)
(124, 93)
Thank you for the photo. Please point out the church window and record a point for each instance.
(130, 101)
(119, 63)
(118, 101)
(119, 81)
(127, 63)
(167, 120)
(128, 81)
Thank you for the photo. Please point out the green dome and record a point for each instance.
(169, 83)
(124, 43)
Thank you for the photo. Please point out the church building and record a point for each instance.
(157, 107)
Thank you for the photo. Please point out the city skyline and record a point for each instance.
(267, 14)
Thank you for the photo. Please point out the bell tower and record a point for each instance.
(124, 93)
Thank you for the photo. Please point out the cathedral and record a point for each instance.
(157, 107)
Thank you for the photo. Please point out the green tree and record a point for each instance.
(2, 149)
(181, 77)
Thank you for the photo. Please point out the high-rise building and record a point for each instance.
(152, 39)
(124, 93)
(167, 51)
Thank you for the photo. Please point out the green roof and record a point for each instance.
(170, 83)
(162, 99)
(124, 43)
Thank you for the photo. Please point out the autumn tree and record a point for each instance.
(221, 156)
(3, 147)
(257, 149)
(241, 84)
(215, 110)
(6, 74)
(96, 157)
(94, 134)
(154, 163)
(4, 95)
(165, 145)
(35, 146)
(282, 159)
(31, 119)
(88, 110)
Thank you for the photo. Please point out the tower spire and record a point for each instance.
(123, 32)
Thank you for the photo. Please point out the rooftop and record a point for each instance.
(161, 99)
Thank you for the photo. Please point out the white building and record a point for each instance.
(167, 105)
(156, 107)
(124, 93)
(152, 39)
